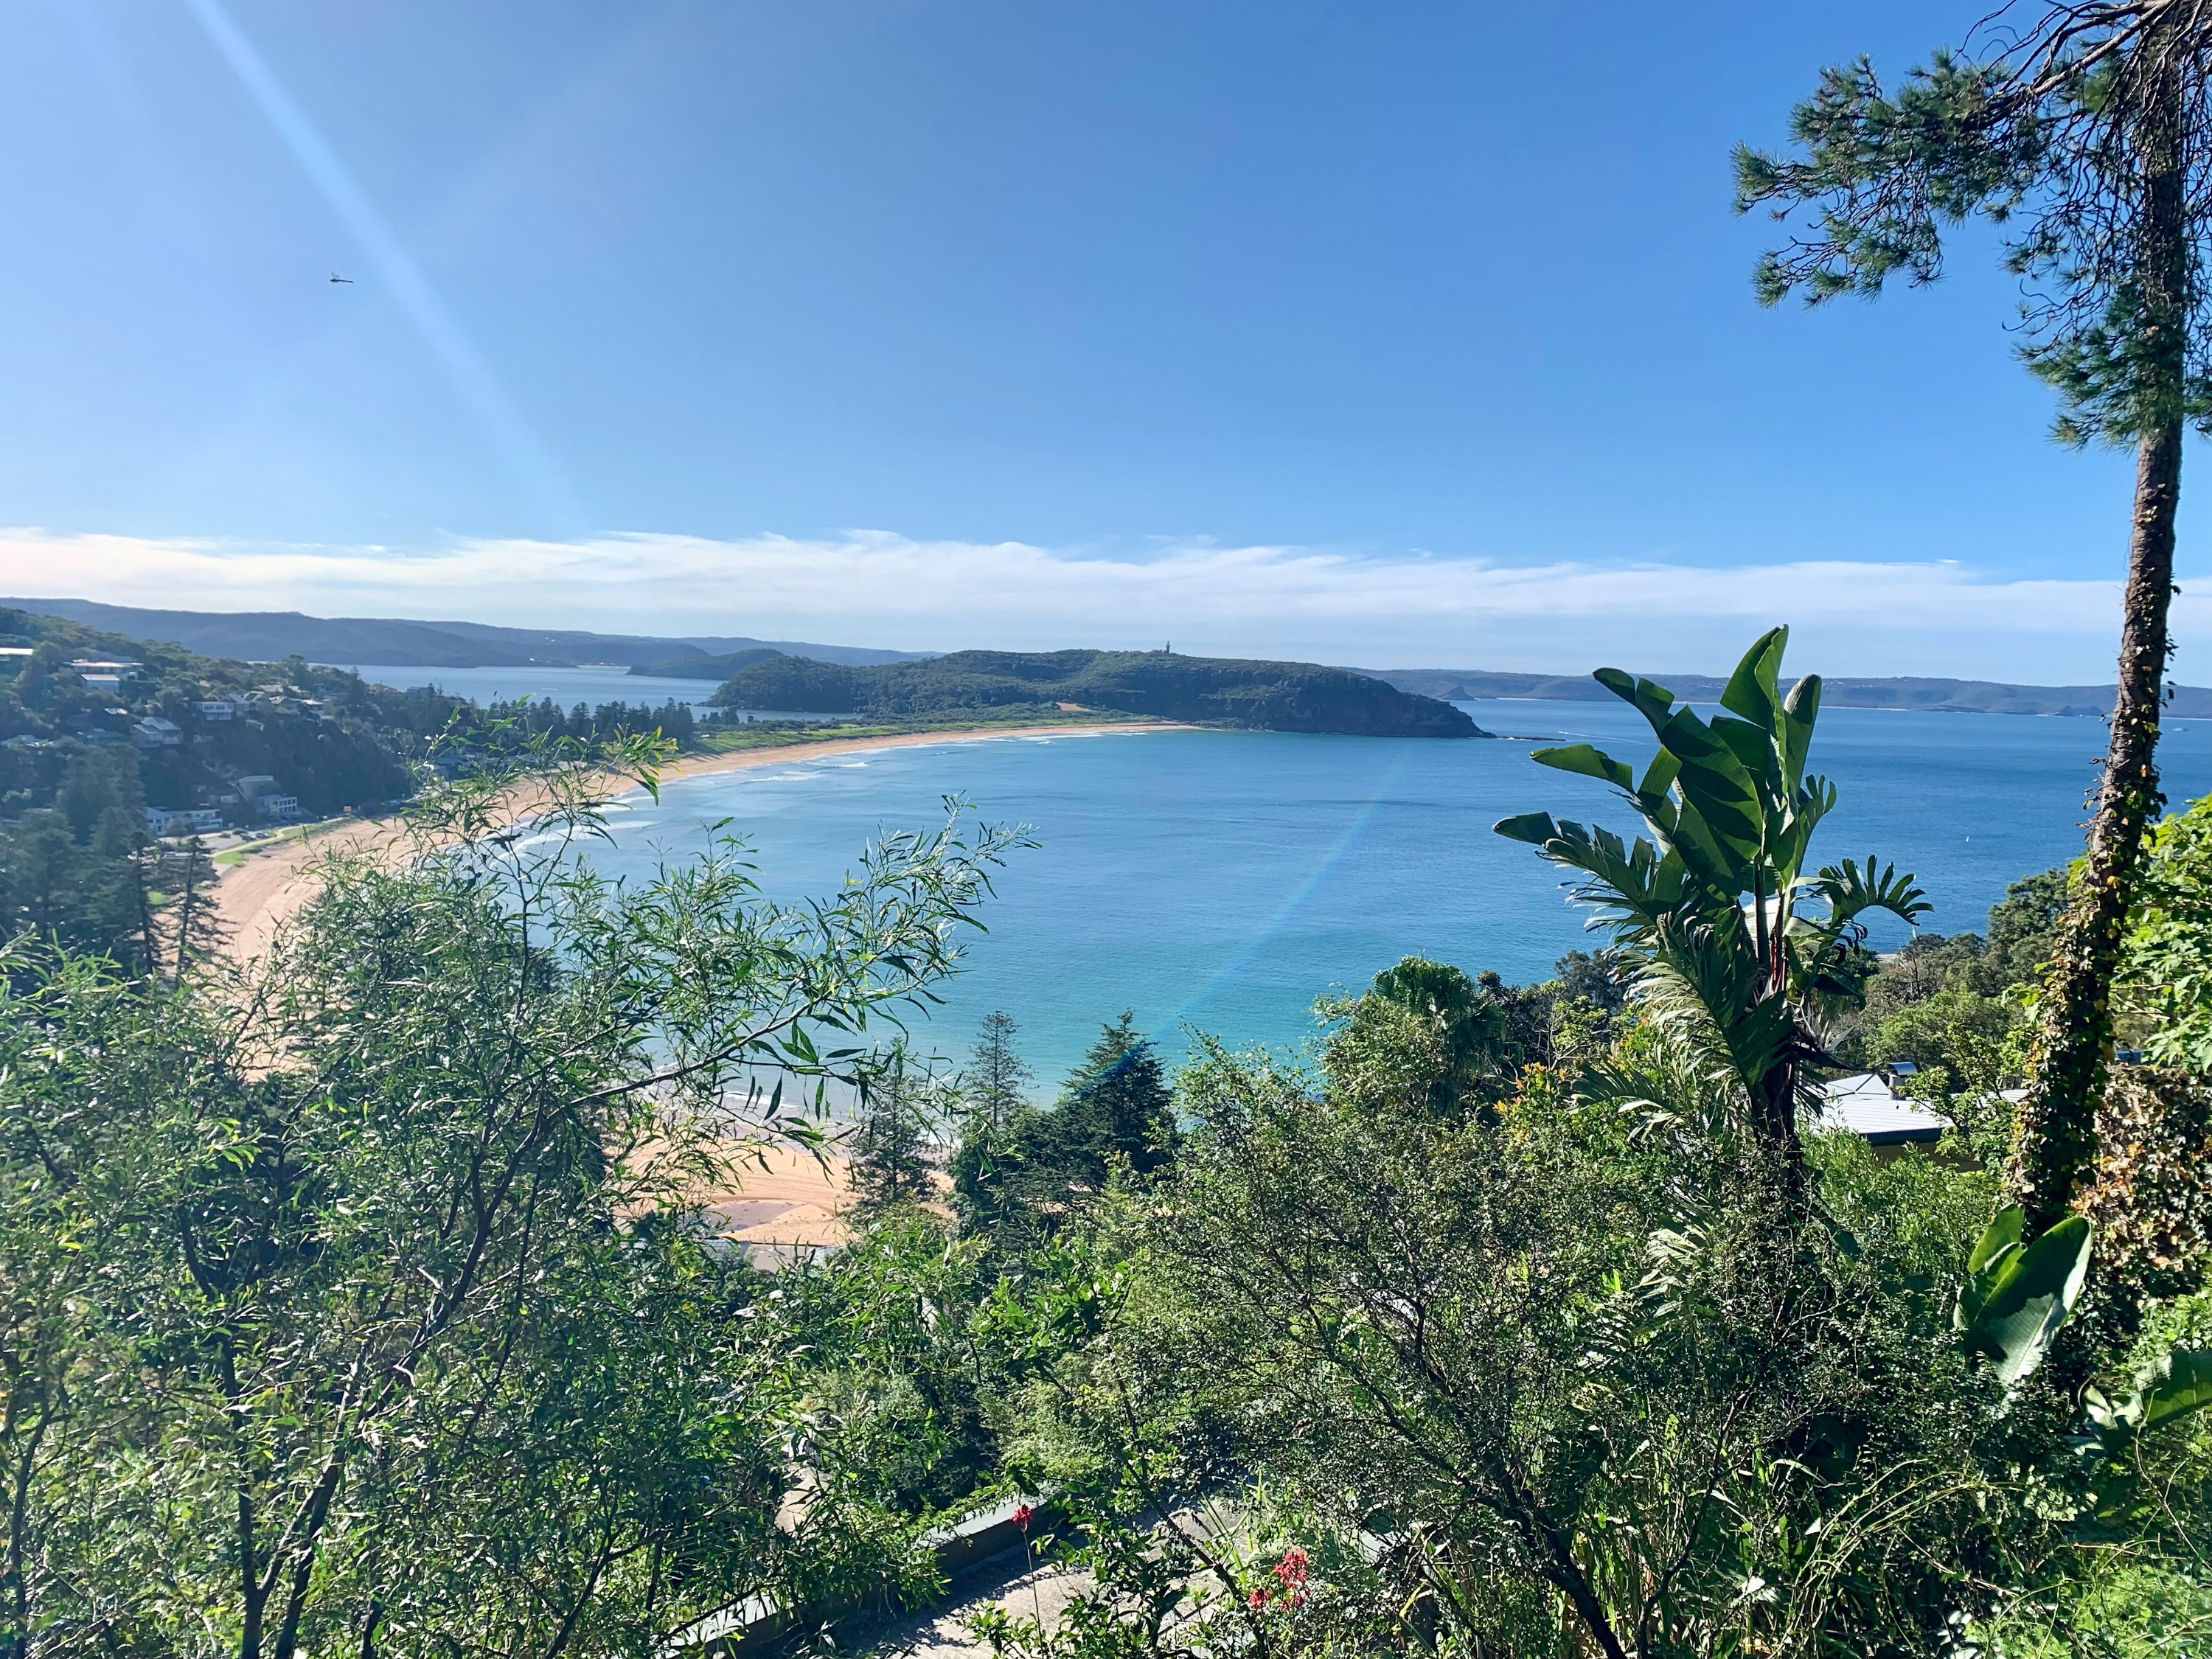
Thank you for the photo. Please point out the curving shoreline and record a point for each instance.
(267, 886)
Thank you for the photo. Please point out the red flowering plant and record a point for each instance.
(1289, 1589)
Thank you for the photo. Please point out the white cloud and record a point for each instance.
(1391, 609)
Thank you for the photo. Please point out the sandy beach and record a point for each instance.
(792, 1203)
(267, 886)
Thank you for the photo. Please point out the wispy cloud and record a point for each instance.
(1380, 610)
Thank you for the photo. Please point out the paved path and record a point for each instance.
(1006, 1581)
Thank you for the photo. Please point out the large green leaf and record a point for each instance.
(1658, 778)
(2000, 1236)
(1753, 748)
(1588, 762)
(1652, 700)
(1535, 828)
(1794, 733)
(2024, 1294)
(1753, 689)
(2181, 1384)
(1999, 1244)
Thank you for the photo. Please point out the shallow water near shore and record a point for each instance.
(1220, 881)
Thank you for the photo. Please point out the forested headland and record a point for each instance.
(1269, 696)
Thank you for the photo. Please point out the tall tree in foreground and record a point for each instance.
(357, 1299)
(1747, 951)
(2083, 131)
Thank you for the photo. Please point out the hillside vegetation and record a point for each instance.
(1267, 696)
(273, 636)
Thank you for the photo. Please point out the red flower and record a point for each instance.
(1260, 1597)
(1294, 1568)
(1022, 1514)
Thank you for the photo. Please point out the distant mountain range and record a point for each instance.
(1937, 695)
(344, 641)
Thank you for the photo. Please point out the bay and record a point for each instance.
(1220, 881)
(565, 686)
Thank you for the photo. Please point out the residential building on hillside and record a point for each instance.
(182, 820)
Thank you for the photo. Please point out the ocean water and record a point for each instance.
(1221, 881)
(566, 686)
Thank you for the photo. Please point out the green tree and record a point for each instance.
(1422, 1036)
(371, 1332)
(2083, 137)
(1028, 1176)
(99, 782)
(995, 1085)
(891, 1155)
(89, 896)
(1115, 1106)
(995, 1099)
(1547, 1384)
(2023, 926)
(1749, 954)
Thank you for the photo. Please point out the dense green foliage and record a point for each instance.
(359, 1302)
(1748, 949)
(1272, 696)
(1021, 1172)
(707, 667)
(78, 863)
(324, 735)
(366, 1303)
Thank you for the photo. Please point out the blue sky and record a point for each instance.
(1394, 333)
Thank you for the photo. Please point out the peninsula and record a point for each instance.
(1264, 696)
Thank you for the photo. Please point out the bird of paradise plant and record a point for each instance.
(1746, 952)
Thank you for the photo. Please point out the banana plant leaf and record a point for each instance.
(2014, 1303)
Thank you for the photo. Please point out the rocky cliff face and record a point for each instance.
(1267, 696)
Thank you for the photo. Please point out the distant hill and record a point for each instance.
(1270, 697)
(1937, 695)
(715, 668)
(273, 636)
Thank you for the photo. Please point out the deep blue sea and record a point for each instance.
(1222, 880)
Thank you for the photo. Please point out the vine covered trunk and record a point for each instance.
(2054, 1138)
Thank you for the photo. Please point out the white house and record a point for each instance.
(1870, 1108)
(217, 709)
(172, 821)
(155, 732)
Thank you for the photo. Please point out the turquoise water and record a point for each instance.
(1223, 880)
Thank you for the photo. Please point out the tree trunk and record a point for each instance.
(2053, 1141)
(2054, 1137)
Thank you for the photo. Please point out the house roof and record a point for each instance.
(1867, 1106)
